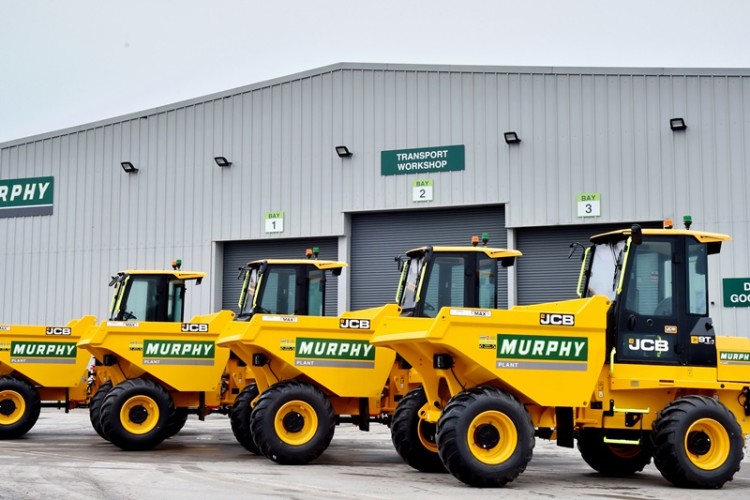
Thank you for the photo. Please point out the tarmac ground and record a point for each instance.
(63, 458)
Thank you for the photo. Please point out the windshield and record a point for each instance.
(411, 283)
(604, 268)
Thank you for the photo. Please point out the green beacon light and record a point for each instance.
(688, 221)
(485, 238)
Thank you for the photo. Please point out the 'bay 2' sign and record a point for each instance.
(26, 197)
(422, 160)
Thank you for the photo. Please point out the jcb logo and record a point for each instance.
(648, 345)
(363, 324)
(194, 327)
(557, 319)
(57, 330)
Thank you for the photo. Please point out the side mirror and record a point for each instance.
(636, 234)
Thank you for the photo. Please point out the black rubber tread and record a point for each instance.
(453, 445)
(240, 418)
(175, 425)
(405, 434)
(670, 455)
(33, 406)
(95, 408)
(264, 414)
(110, 414)
(613, 459)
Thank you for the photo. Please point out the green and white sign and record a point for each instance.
(423, 160)
(334, 353)
(43, 352)
(274, 222)
(542, 347)
(736, 292)
(421, 190)
(165, 352)
(26, 197)
(589, 204)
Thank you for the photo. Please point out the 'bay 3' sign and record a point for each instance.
(26, 197)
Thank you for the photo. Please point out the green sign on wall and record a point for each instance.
(423, 160)
(736, 292)
(26, 197)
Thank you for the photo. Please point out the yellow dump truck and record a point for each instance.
(632, 370)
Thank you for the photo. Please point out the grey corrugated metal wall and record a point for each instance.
(379, 237)
(582, 130)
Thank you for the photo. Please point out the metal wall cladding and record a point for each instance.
(582, 130)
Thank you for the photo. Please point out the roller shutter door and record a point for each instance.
(379, 237)
(544, 272)
(238, 253)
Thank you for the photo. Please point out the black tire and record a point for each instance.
(146, 410)
(697, 443)
(292, 423)
(413, 437)
(175, 425)
(613, 459)
(502, 441)
(19, 407)
(240, 418)
(95, 408)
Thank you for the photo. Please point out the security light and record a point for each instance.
(677, 124)
(343, 151)
(128, 167)
(222, 161)
(512, 138)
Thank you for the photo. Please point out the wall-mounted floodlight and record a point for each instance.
(222, 161)
(343, 151)
(512, 138)
(677, 124)
(128, 167)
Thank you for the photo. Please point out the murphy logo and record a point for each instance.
(194, 327)
(162, 352)
(59, 353)
(361, 324)
(734, 357)
(334, 353)
(542, 352)
(57, 330)
(557, 319)
(26, 197)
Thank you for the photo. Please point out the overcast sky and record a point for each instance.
(66, 63)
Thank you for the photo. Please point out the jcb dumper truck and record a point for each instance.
(633, 369)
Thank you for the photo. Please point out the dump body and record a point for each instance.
(47, 357)
(182, 357)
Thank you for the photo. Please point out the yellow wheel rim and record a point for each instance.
(296, 423)
(12, 407)
(492, 437)
(707, 444)
(139, 415)
(425, 429)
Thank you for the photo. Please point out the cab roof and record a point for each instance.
(701, 236)
(180, 275)
(320, 264)
(493, 253)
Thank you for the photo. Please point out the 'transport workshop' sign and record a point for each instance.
(26, 197)
(423, 160)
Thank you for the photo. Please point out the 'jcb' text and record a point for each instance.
(363, 324)
(557, 319)
(57, 330)
(194, 327)
(648, 345)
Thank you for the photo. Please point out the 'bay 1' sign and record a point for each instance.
(423, 160)
(26, 197)
(736, 292)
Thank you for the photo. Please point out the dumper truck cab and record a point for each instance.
(633, 370)
(312, 372)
